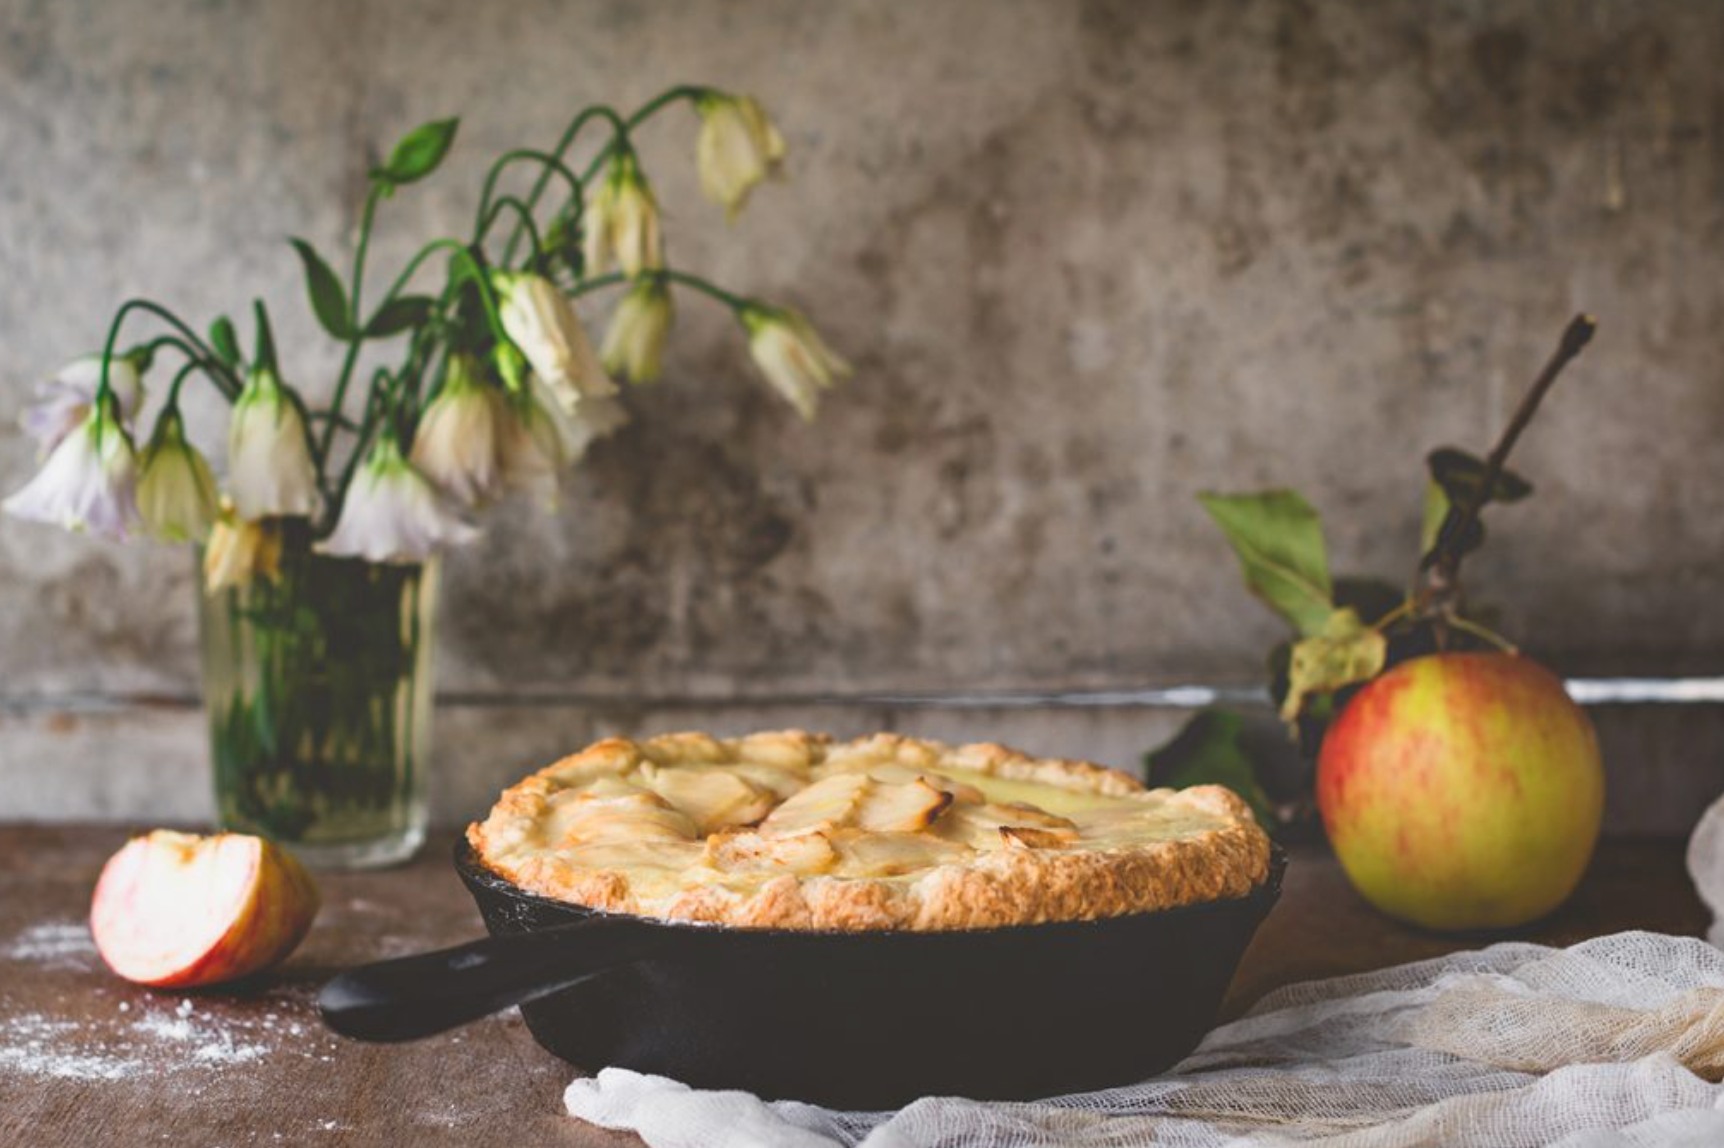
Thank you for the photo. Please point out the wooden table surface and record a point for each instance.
(87, 1059)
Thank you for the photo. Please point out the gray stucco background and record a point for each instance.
(1088, 259)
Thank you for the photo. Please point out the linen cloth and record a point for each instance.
(1614, 1041)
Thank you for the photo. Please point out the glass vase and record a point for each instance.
(318, 689)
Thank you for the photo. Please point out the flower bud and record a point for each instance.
(176, 491)
(634, 344)
(737, 148)
(622, 221)
(270, 469)
(792, 356)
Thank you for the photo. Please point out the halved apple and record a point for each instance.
(177, 909)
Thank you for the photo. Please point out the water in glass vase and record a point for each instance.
(318, 687)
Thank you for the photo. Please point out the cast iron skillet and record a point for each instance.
(849, 1020)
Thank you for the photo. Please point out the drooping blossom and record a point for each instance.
(177, 495)
(456, 443)
(540, 320)
(634, 343)
(738, 147)
(270, 468)
(621, 222)
(88, 481)
(792, 356)
(392, 513)
(61, 403)
(539, 439)
(241, 549)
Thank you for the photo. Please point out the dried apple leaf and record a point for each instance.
(1347, 651)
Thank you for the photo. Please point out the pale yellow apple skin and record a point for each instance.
(1462, 791)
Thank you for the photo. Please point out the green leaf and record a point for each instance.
(1278, 537)
(1347, 651)
(328, 297)
(419, 152)
(1209, 750)
(225, 340)
(401, 313)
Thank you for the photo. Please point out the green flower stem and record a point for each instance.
(666, 275)
(217, 371)
(665, 98)
(194, 361)
(564, 142)
(641, 114)
(524, 219)
(367, 219)
(375, 396)
(585, 286)
(172, 406)
(549, 164)
(458, 252)
(734, 302)
(358, 337)
(150, 348)
(618, 144)
(620, 129)
(338, 399)
(418, 365)
(487, 297)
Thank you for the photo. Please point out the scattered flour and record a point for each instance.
(151, 1040)
(61, 944)
(39, 1045)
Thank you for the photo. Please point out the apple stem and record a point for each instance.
(1443, 581)
(1484, 632)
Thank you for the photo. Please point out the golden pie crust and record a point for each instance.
(792, 830)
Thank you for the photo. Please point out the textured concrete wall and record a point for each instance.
(1088, 258)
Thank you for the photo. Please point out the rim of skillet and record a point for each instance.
(471, 869)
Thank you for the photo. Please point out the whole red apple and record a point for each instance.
(1462, 791)
(176, 909)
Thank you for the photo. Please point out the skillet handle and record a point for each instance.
(418, 996)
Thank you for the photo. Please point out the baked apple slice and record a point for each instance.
(712, 798)
(828, 803)
(804, 854)
(176, 909)
(894, 854)
(986, 826)
(632, 816)
(903, 808)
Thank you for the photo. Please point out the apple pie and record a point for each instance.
(792, 830)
